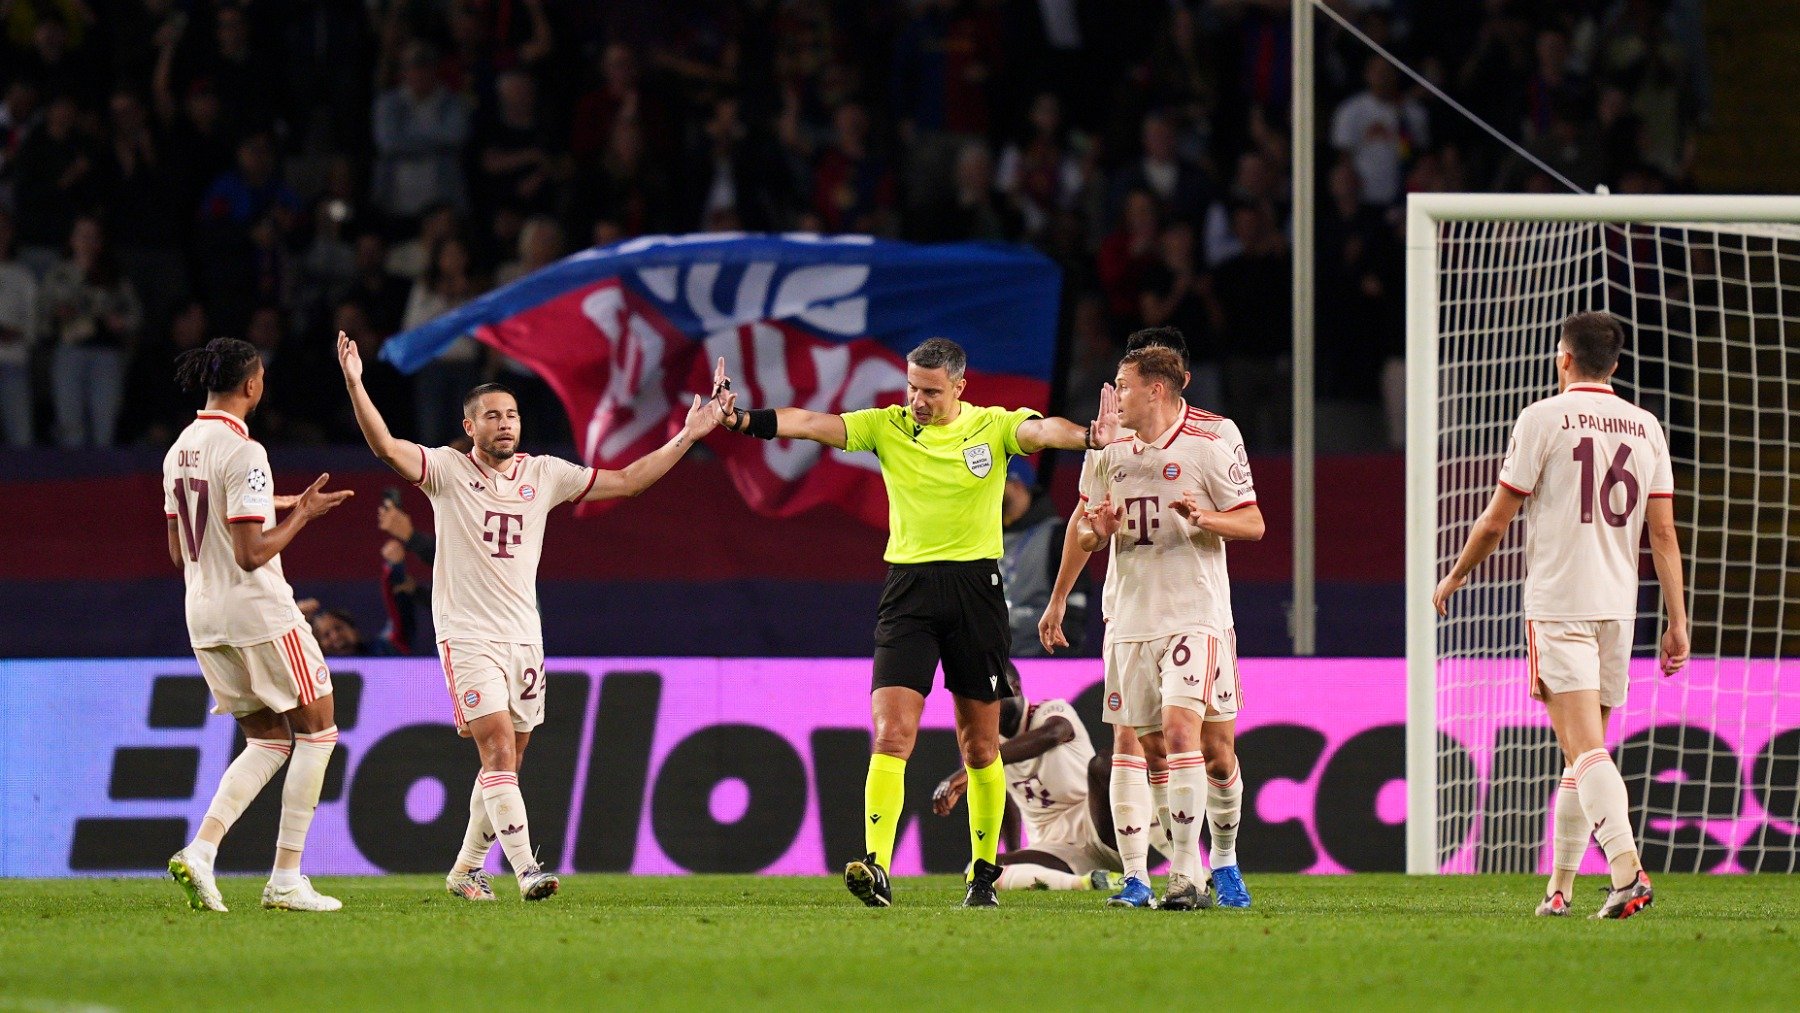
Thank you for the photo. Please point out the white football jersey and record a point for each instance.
(1166, 576)
(1053, 783)
(1589, 462)
(490, 535)
(213, 477)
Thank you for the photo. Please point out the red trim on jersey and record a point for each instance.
(1531, 657)
(225, 417)
(518, 462)
(1240, 506)
(1654, 495)
(169, 515)
(291, 647)
(593, 476)
(450, 681)
(424, 465)
(1512, 488)
(1593, 388)
(312, 689)
(1203, 414)
(1122, 439)
(246, 517)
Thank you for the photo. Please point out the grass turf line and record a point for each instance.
(1365, 940)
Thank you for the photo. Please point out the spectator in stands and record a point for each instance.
(1553, 88)
(1648, 63)
(57, 177)
(627, 189)
(1256, 182)
(1380, 129)
(852, 188)
(393, 519)
(248, 82)
(945, 65)
(734, 169)
(438, 388)
(1127, 254)
(18, 333)
(144, 216)
(336, 627)
(1176, 293)
(19, 113)
(1254, 296)
(409, 258)
(974, 209)
(517, 163)
(157, 409)
(540, 245)
(619, 97)
(384, 381)
(1039, 171)
(93, 314)
(420, 130)
(1180, 186)
(1033, 533)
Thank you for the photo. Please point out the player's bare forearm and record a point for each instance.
(1039, 434)
(1074, 559)
(252, 546)
(174, 544)
(1665, 554)
(1086, 538)
(1489, 528)
(401, 455)
(642, 473)
(1037, 742)
(1245, 524)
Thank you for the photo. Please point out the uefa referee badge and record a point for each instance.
(980, 460)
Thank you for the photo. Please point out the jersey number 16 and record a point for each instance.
(1616, 474)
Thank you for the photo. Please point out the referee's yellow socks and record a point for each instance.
(987, 804)
(882, 794)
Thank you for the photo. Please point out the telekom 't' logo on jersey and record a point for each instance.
(505, 534)
(1146, 520)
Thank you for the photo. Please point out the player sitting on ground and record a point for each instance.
(255, 650)
(491, 505)
(1167, 505)
(1588, 467)
(1057, 783)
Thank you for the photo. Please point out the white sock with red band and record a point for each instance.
(1571, 831)
(478, 838)
(1132, 813)
(242, 782)
(300, 793)
(1604, 801)
(1159, 798)
(506, 810)
(1224, 804)
(1187, 804)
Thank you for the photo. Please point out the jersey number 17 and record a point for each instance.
(193, 523)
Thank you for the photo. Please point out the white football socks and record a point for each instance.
(1132, 813)
(242, 782)
(1026, 876)
(1224, 804)
(478, 838)
(506, 811)
(1603, 800)
(1187, 804)
(300, 796)
(1571, 831)
(1159, 798)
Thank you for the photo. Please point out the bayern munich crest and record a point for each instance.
(527, 492)
(1171, 471)
(321, 675)
(472, 698)
(1113, 702)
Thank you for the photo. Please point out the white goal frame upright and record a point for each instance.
(1425, 213)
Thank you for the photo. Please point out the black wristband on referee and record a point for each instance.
(762, 423)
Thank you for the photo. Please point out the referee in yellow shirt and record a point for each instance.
(943, 461)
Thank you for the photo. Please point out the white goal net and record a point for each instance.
(1709, 291)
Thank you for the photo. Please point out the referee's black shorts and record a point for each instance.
(953, 612)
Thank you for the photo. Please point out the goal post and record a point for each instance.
(1709, 290)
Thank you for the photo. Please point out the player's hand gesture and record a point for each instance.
(1440, 599)
(349, 359)
(1188, 508)
(1105, 427)
(724, 400)
(1674, 651)
(315, 502)
(949, 792)
(285, 503)
(1050, 631)
(703, 416)
(1105, 519)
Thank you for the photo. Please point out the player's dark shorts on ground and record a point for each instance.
(953, 612)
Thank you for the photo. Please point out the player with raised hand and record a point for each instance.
(943, 462)
(1167, 505)
(491, 506)
(1589, 469)
(255, 649)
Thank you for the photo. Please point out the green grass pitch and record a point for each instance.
(737, 941)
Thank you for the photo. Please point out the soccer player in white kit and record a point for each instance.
(1058, 786)
(491, 505)
(255, 649)
(1168, 498)
(1589, 468)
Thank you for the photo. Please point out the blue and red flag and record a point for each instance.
(626, 334)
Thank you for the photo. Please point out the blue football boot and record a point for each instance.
(1135, 893)
(1228, 886)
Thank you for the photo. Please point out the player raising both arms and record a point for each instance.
(255, 649)
(943, 462)
(491, 505)
(1589, 468)
(1167, 503)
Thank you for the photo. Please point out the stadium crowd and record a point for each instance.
(278, 170)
